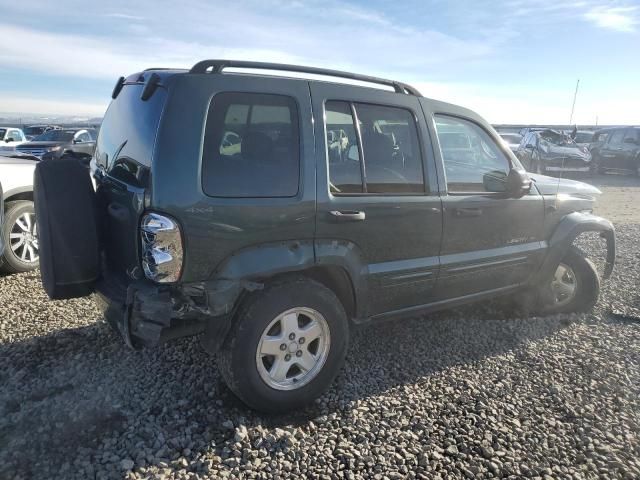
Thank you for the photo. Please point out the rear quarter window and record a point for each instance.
(251, 146)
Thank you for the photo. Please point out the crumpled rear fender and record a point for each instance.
(566, 232)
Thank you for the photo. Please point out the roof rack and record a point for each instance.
(216, 66)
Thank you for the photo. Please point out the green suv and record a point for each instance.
(270, 214)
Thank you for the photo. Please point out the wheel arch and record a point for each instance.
(24, 193)
(564, 235)
(250, 270)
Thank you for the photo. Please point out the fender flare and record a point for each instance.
(566, 232)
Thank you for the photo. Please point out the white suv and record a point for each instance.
(10, 138)
(19, 232)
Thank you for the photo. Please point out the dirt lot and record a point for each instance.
(620, 201)
(473, 393)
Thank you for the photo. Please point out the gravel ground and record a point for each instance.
(472, 393)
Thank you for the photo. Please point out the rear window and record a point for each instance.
(251, 146)
(127, 134)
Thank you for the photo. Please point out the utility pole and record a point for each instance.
(573, 106)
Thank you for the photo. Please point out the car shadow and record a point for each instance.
(75, 392)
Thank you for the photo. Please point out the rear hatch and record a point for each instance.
(122, 169)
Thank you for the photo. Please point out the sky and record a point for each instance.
(512, 61)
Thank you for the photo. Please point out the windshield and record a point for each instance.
(556, 138)
(33, 130)
(584, 137)
(56, 136)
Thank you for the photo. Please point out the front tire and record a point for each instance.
(287, 345)
(575, 286)
(20, 234)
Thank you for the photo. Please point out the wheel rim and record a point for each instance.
(293, 348)
(23, 238)
(564, 285)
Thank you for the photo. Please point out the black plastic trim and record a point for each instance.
(216, 66)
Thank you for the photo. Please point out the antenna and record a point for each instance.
(573, 107)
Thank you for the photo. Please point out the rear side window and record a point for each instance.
(251, 146)
(390, 159)
(345, 169)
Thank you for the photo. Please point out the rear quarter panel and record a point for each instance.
(216, 228)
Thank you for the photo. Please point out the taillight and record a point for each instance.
(162, 251)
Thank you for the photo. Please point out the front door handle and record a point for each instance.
(348, 215)
(467, 212)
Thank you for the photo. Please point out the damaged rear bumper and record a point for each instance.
(146, 314)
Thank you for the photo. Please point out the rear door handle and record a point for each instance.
(467, 212)
(348, 215)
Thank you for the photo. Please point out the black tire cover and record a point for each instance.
(65, 206)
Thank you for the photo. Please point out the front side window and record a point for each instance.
(473, 162)
(251, 146)
(391, 159)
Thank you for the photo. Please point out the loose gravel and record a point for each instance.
(472, 393)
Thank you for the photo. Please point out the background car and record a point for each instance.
(76, 142)
(583, 138)
(620, 151)
(33, 131)
(553, 151)
(10, 138)
(512, 140)
(19, 232)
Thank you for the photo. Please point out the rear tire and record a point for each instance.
(20, 254)
(582, 273)
(249, 368)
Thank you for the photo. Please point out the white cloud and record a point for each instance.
(621, 19)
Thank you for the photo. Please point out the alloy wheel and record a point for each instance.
(293, 348)
(23, 238)
(564, 285)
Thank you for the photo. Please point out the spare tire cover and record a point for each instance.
(65, 206)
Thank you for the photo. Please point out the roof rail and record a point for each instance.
(216, 66)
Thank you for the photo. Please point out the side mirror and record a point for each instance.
(77, 140)
(530, 145)
(495, 181)
(518, 183)
(10, 139)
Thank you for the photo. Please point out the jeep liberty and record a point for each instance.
(272, 213)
